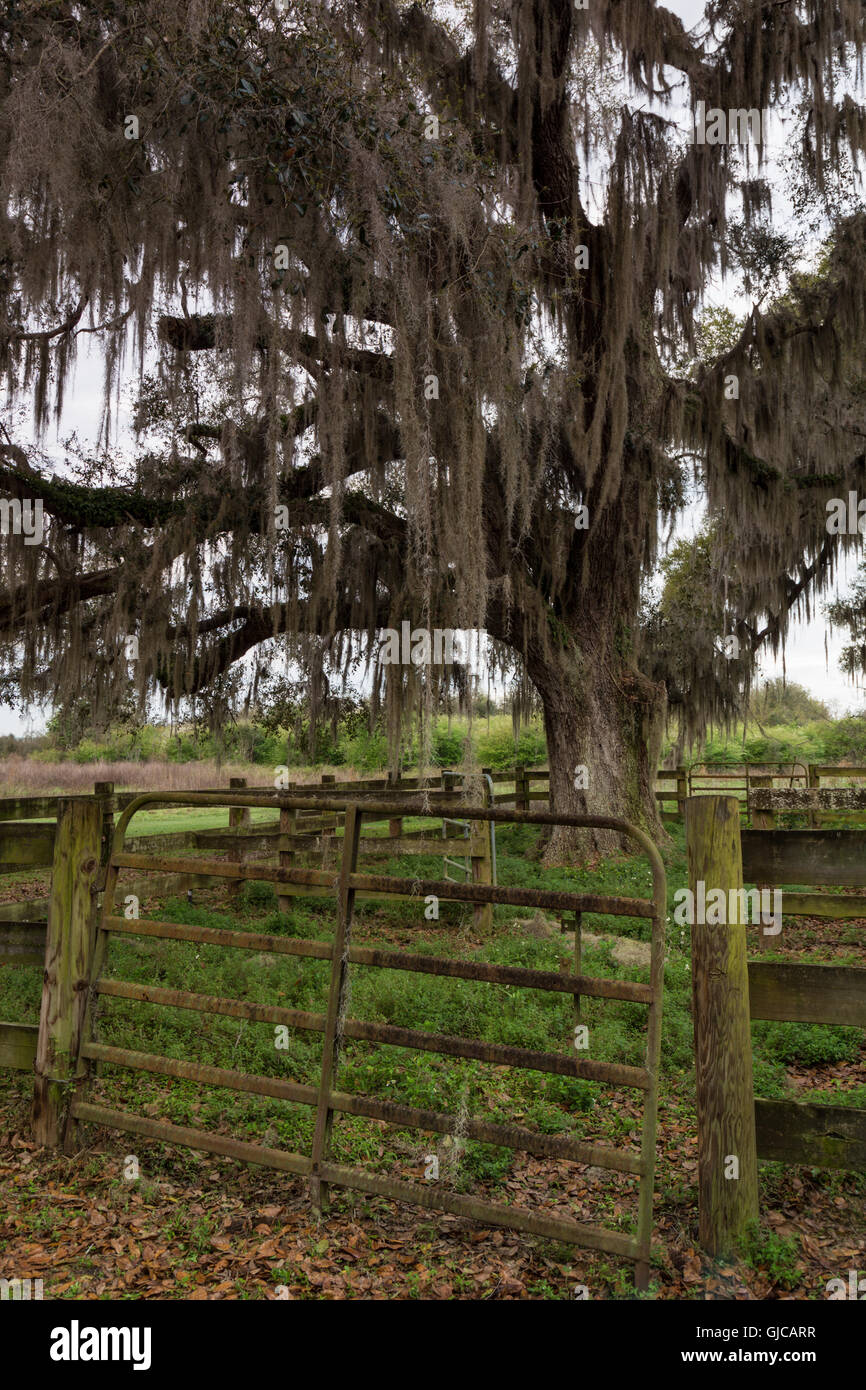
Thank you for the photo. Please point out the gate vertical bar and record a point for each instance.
(288, 829)
(239, 819)
(653, 1064)
(337, 1000)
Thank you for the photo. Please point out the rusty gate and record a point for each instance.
(325, 1098)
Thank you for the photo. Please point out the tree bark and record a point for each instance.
(600, 714)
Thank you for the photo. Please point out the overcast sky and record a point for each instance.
(805, 661)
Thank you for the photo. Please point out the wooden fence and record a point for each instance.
(735, 1128)
(749, 781)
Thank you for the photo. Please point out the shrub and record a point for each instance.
(845, 739)
(447, 746)
(499, 749)
(88, 751)
(366, 752)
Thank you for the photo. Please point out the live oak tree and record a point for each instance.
(849, 614)
(409, 370)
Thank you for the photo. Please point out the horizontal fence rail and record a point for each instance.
(18, 1045)
(327, 1100)
(810, 857)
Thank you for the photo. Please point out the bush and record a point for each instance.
(447, 746)
(182, 748)
(783, 744)
(89, 752)
(366, 752)
(845, 739)
(499, 749)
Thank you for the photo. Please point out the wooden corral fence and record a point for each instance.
(76, 978)
(737, 779)
(735, 1128)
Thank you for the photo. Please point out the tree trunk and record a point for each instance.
(601, 715)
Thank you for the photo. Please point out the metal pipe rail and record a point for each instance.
(326, 1098)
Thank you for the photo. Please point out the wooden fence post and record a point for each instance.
(762, 820)
(578, 947)
(67, 963)
(479, 849)
(682, 791)
(813, 779)
(239, 819)
(104, 793)
(521, 789)
(727, 1152)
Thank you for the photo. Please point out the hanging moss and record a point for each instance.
(418, 342)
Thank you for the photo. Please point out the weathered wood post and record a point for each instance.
(67, 963)
(813, 778)
(239, 818)
(480, 858)
(521, 788)
(727, 1153)
(564, 966)
(104, 793)
(761, 820)
(682, 790)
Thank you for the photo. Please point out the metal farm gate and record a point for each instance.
(327, 1100)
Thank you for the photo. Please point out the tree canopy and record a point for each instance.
(410, 367)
